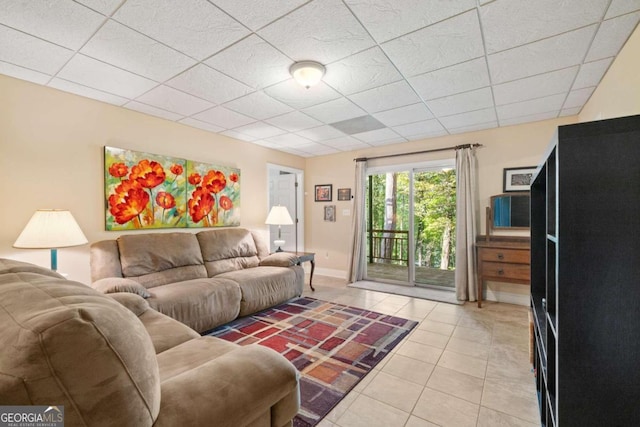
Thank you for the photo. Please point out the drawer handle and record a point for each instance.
(501, 272)
(500, 256)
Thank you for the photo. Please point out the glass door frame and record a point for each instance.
(411, 169)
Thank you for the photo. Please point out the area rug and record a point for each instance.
(333, 346)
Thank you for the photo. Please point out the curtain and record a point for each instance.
(356, 264)
(465, 273)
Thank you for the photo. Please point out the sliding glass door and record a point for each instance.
(410, 218)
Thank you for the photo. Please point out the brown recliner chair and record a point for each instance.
(122, 363)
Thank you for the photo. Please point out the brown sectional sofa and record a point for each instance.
(113, 361)
(203, 280)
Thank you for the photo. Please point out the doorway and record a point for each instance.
(410, 218)
(285, 187)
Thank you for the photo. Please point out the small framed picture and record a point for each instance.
(344, 194)
(330, 213)
(324, 193)
(518, 179)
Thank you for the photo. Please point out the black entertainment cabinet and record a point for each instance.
(585, 275)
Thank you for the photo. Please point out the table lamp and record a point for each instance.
(51, 229)
(279, 215)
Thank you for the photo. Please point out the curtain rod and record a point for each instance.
(457, 147)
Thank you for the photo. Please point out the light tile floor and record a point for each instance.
(461, 366)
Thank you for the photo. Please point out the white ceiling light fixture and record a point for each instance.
(307, 73)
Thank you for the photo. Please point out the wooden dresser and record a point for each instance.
(503, 259)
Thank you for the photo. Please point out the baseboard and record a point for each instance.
(506, 297)
(338, 274)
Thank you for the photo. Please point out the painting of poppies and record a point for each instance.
(145, 190)
(213, 195)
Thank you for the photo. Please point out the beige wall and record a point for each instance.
(618, 94)
(51, 157)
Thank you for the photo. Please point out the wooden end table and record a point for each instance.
(307, 256)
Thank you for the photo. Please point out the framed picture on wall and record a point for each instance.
(344, 194)
(324, 192)
(330, 213)
(518, 179)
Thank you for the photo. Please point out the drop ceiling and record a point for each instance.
(397, 70)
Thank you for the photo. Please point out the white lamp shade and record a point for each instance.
(279, 215)
(307, 73)
(50, 228)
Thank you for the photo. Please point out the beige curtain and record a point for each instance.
(465, 275)
(356, 264)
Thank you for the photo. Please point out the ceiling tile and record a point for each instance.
(171, 99)
(86, 91)
(530, 118)
(23, 73)
(252, 61)
(462, 102)
(223, 117)
(320, 133)
(611, 36)
(469, 119)
(404, 115)
(266, 144)
(418, 128)
(335, 111)
(387, 19)
(201, 125)
(451, 80)
(322, 31)
(196, 28)
(535, 87)
(258, 105)
(98, 75)
(123, 47)
(106, 7)
(361, 71)
(294, 151)
(260, 130)
(256, 14)
(358, 125)
(207, 83)
(30, 52)
(507, 24)
(62, 22)
(293, 94)
(446, 43)
(550, 54)
(152, 111)
(395, 140)
(289, 140)
(474, 128)
(293, 121)
(433, 134)
(319, 149)
(533, 106)
(578, 97)
(378, 135)
(386, 97)
(345, 143)
(240, 136)
(591, 73)
(620, 7)
(570, 111)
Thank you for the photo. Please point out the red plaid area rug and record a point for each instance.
(333, 346)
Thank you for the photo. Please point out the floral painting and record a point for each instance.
(145, 190)
(213, 195)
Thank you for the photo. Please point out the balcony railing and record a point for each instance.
(388, 246)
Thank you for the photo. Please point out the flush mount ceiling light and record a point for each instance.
(307, 73)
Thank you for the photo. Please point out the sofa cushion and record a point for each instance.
(64, 342)
(279, 259)
(156, 259)
(226, 250)
(264, 287)
(110, 285)
(201, 304)
(13, 266)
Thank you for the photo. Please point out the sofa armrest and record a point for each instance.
(234, 389)
(135, 303)
(110, 285)
(279, 259)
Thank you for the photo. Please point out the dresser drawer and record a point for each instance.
(504, 270)
(505, 255)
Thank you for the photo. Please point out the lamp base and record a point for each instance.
(279, 243)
